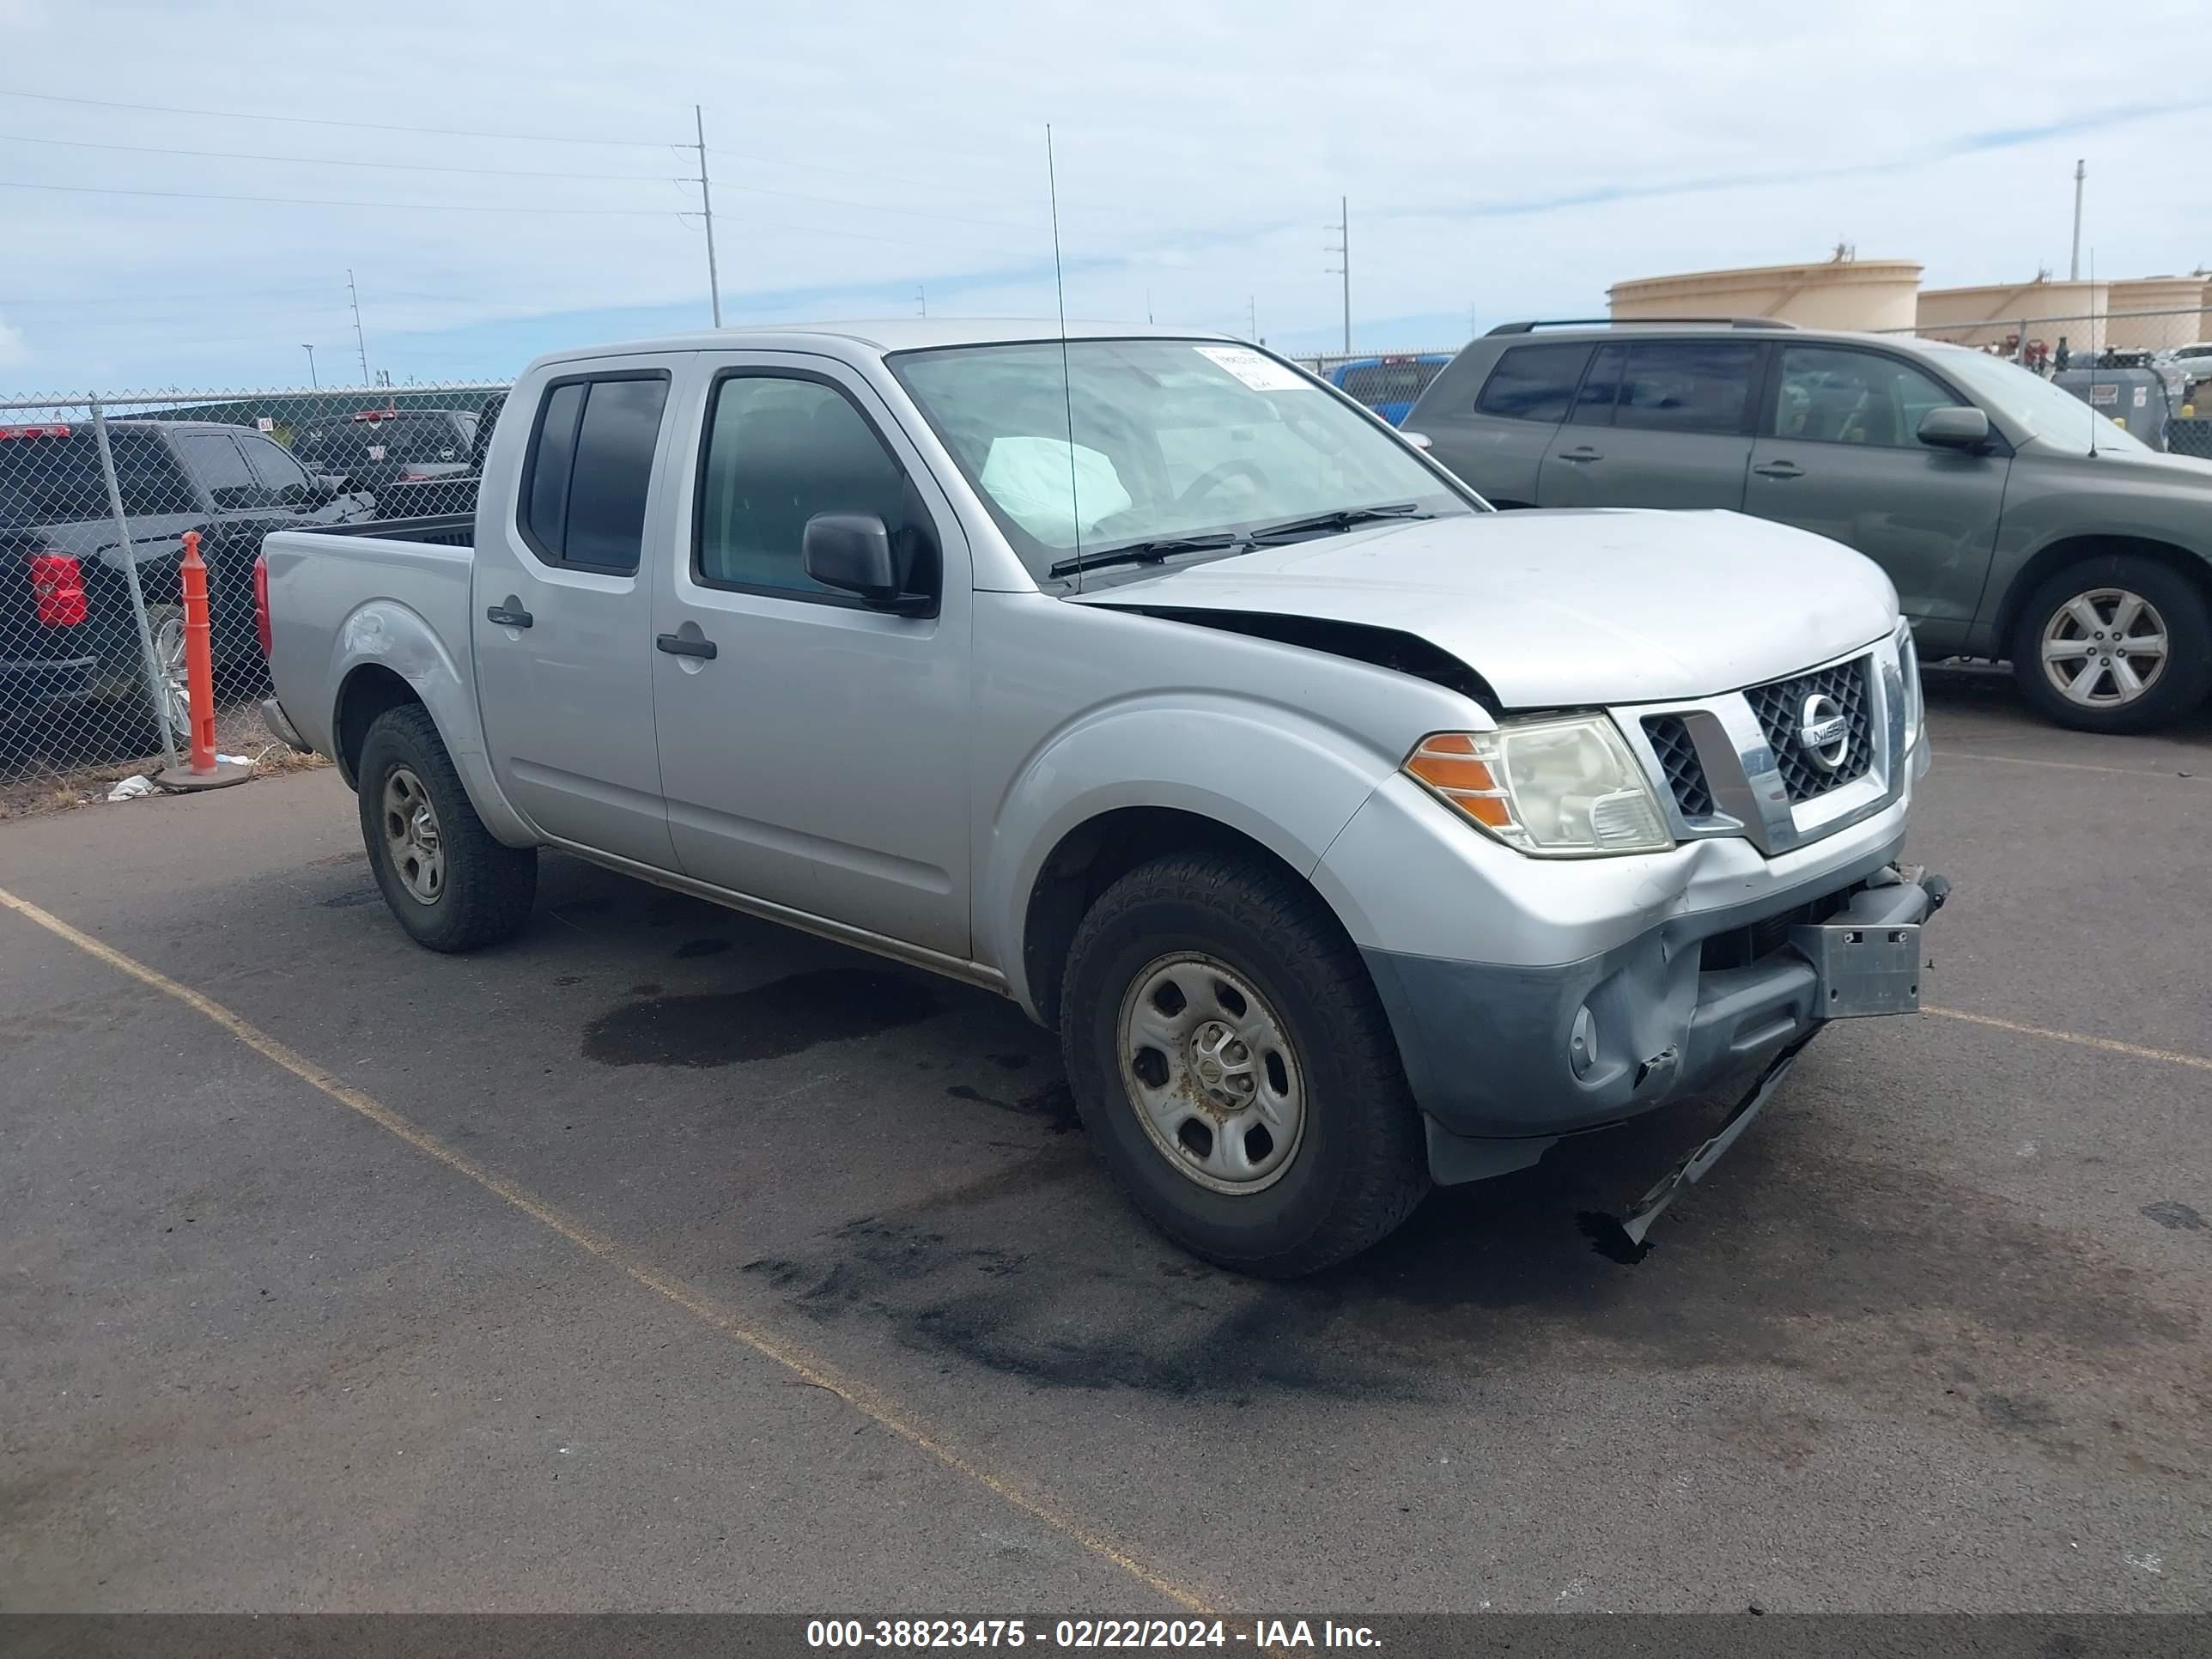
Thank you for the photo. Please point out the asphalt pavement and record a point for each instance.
(662, 1259)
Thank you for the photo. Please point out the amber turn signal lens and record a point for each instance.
(1447, 762)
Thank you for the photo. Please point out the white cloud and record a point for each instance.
(863, 147)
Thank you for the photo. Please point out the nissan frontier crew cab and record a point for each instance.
(1351, 836)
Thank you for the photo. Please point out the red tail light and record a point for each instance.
(57, 584)
(261, 605)
(52, 429)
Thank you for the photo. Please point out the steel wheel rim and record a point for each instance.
(1209, 1069)
(176, 685)
(411, 838)
(2105, 647)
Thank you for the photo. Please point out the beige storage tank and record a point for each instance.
(2166, 311)
(1839, 293)
(1992, 315)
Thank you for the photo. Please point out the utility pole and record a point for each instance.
(2074, 270)
(1343, 248)
(360, 340)
(313, 382)
(922, 297)
(707, 207)
(1251, 317)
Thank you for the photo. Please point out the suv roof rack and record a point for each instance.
(1638, 322)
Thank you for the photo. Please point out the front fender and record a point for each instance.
(386, 633)
(1271, 772)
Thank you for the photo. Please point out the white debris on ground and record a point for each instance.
(132, 789)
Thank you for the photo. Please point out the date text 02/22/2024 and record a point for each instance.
(1086, 1634)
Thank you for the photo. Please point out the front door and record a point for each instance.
(561, 614)
(818, 758)
(1839, 455)
(1656, 424)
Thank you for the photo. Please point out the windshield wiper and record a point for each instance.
(1343, 517)
(1151, 552)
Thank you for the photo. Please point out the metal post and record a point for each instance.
(2074, 270)
(156, 690)
(359, 338)
(1343, 226)
(707, 207)
(313, 382)
(2019, 356)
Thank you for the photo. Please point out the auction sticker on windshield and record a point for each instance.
(1261, 374)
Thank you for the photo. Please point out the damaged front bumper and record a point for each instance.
(1504, 1061)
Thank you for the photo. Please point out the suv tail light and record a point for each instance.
(261, 606)
(57, 584)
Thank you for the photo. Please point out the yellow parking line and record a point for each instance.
(859, 1395)
(2069, 766)
(2133, 1050)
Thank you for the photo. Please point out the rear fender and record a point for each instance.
(385, 635)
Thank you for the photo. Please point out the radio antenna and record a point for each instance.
(1067, 390)
(2094, 331)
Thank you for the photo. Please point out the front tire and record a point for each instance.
(451, 885)
(1233, 1065)
(2115, 643)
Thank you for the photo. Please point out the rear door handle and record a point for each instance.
(1780, 469)
(677, 646)
(507, 616)
(1580, 456)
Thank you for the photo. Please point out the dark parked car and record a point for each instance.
(420, 492)
(374, 448)
(2014, 524)
(66, 630)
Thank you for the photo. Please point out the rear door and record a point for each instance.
(1494, 435)
(562, 615)
(1656, 424)
(1839, 455)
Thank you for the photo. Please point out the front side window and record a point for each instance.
(214, 459)
(1686, 385)
(780, 450)
(1845, 397)
(1534, 382)
(1115, 443)
(274, 469)
(589, 468)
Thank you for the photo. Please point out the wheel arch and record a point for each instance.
(2055, 556)
(1093, 855)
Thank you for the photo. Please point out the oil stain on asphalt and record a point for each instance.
(783, 1017)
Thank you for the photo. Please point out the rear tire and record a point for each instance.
(1280, 1136)
(451, 885)
(2075, 667)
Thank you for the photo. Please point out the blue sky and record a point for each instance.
(867, 154)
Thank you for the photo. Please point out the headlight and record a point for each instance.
(1556, 789)
(1908, 666)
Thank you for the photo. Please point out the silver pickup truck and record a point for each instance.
(1351, 836)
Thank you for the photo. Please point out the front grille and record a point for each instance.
(1678, 761)
(1779, 708)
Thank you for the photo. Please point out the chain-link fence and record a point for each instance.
(95, 496)
(1388, 382)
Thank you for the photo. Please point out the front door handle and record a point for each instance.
(1780, 469)
(677, 646)
(506, 616)
(1581, 456)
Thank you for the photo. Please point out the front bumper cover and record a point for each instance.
(1492, 1052)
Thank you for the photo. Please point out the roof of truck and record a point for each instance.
(888, 334)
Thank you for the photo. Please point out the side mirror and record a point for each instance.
(1955, 427)
(851, 552)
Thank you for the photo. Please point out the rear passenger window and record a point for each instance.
(590, 465)
(1534, 382)
(1686, 385)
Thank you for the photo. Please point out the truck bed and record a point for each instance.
(434, 530)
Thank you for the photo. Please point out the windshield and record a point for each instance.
(1170, 439)
(2048, 412)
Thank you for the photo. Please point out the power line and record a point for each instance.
(322, 201)
(332, 160)
(326, 121)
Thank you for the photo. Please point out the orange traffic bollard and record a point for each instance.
(203, 772)
(199, 655)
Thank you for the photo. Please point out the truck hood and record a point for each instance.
(1564, 608)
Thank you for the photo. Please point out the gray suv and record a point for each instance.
(2017, 524)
